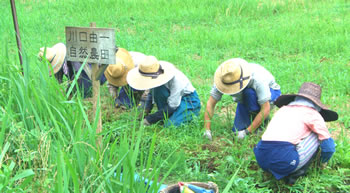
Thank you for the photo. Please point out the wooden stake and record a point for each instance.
(95, 96)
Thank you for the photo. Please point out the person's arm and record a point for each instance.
(70, 71)
(103, 79)
(209, 112)
(316, 124)
(260, 117)
(59, 76)
(327, 149)
(113, 90)
(148, 103)
(159, 115)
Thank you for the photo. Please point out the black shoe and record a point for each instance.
(292, 178)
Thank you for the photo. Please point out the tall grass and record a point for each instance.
(51, 142)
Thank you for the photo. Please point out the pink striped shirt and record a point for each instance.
(293, 123)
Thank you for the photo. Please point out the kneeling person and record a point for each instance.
(170, 89)
(251, 86)
(56, 56)
(116, 76)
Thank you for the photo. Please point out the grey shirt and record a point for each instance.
(178, 86)
(261, 81)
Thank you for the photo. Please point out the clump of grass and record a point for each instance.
(53, 142)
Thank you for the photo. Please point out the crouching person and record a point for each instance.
(250, 85)
(170, 89)
(295, 133)
(127, 97)
(60, 67)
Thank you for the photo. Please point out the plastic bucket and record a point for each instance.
(175, 188)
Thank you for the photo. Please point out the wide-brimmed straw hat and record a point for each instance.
(150, 73)
(116, 73)
(232, 76)
(312, 92)
(55, 55)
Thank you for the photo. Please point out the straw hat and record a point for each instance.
(232, 76)
(116, 73)
(150, 73)
(55, 55)
(312, 92)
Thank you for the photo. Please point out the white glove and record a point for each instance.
(112, 90)
(242, 134)
(145, 122)
(207, 134)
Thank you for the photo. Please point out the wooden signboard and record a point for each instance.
(95, 44)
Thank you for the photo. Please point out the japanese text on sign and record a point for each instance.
(95, 44)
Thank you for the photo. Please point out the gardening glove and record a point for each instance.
(112, 90)
(327, 149)
(143, 114)
(241, 134)
(161, 114)
(324, 165)
(207, 134)
(145, 122)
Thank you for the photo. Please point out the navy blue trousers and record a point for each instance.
(247, 110)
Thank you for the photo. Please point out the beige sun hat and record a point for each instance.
(116, 73)
(232, 76)
(55, 55)
(150, 73)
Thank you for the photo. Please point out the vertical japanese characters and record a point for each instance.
(95, 44)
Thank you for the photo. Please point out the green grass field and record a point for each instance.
(48, 142)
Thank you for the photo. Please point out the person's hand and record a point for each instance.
(112, 90)
(142, 113)
(141, 116)
(207, 134)
(145, 122)
(241, 134)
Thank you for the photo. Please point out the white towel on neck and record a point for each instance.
(305, 102)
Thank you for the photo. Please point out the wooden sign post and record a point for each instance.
(96, 95)
(97, 47)
(18, 37)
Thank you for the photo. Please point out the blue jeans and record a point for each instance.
(190, 105)
(247, 110)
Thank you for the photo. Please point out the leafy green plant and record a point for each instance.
(10, 178)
